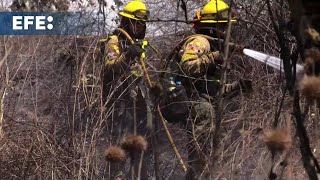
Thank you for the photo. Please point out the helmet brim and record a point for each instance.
(214, 21)
(131, 16)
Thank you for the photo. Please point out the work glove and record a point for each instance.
(210, 62)
(136, 70)
(133, 51)
(239, 48)
(212, 56)
(246, 85)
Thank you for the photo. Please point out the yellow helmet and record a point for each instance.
(215, 11)
(135, 10)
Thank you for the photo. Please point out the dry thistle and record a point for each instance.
(115, 154)
(134, 143)
(278, 140)
(310, 87)
(312, 62)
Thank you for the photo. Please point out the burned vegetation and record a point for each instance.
(60, 120)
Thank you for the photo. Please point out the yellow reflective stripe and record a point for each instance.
(188, 57)
(144, 45)
(113, 51)
(112, 61)
(109, 62)
(137, 73)
(197, 43)
(190, 54)
(115, 48)
(191, 51)
(113, 37)
(102, 40)
(143, 55)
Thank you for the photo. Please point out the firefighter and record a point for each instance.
(198, 66)
(122, 52)
(200, 57)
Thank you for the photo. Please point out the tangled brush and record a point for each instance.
(134, 143)
(115, 154)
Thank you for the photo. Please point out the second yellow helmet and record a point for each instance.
(135, 10)
(215, 11)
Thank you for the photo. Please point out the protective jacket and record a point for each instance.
(120, 55)
(201, 62)
(197, 63)
(113, 54)
(197, 59)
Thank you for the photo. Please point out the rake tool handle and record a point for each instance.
(174, 147)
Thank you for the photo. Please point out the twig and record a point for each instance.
(5, 56)
(132, 169)
(223, 75)
(155, 150)
(310, 163)
(170, 20)
(277, 115)
(184, 8)
(3, 90)
(134, 115)
(140, 165)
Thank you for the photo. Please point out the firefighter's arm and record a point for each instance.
(234, 47)
(113, 55)
(211, 58)
(194, 63)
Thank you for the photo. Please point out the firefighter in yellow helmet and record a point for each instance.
(133, 22)
(123, 71)
(198, 66)
(200, 57)
(120, 56)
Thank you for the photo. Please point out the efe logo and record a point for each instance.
(24, 22)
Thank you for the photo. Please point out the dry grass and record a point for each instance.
(55, 125)
(42, 129)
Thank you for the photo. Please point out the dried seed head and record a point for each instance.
(133, 143)
(115, 154)
(312, 62)
(310, 87)
(277, 140)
